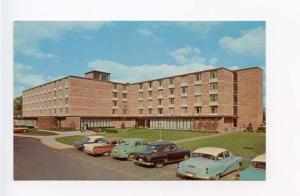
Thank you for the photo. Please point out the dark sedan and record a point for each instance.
(159, 153)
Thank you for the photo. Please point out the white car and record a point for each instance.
(87, 140)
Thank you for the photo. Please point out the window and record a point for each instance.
(171, 101)
(124, 112)
(220, 156)
(213, 74)
(160, 92)
(140, 103)
(150, 84)
(197, 89)
(226, 154)
(160, 111)
(140, 95)
(171, 91)
(60, 110)
(124, 87)
(184, 110)
(184, 90)
(149, 102)
(66, 100)
(115, 86)
(197, 109)
(150, 111)
(197, 99)
(171, 110)
(160, 101)
(166, 149)
(183, 79)
(213, 86)
(149, 93)
(159, 82)
(115, 103)
(140, 111)
(124, 96)
(114, 111)
(213, 109)
(115, 95)
(183, 100)
(67, 110)
(171, 81)
(213, 97)
(198, 77)
(141, 86)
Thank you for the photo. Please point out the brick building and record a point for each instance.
(217, 99)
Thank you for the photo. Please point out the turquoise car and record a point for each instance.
(255, 171)
(208, 163)
(127, 148)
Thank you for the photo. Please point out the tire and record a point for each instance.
(130, 157)
(159, 164)
(239, 166)
(186, 157)
(106, 154)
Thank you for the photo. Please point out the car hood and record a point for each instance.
(253, 174)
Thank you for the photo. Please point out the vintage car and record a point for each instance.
(255, 171)
(127, 148)
(208, 163)
(79, 144)
(159, 153)
(102, 147)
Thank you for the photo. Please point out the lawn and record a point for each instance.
(35, 132)
(149, 135)
(247, 145)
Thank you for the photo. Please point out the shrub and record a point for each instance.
(261, 129)
(106, 130)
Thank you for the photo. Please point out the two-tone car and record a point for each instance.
(208, 163)
(79, 144)
(128, 147)
(256, 169)
(102, 147)
(160, 153)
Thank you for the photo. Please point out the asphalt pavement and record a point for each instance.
(35, 161)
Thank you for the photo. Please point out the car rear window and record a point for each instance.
(203, 155)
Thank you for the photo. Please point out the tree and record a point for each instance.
(18, 106)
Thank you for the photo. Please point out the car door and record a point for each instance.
(221, 166)
(172, 153)
(229, 162)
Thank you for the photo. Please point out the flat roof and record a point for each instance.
(93, 71)
(214, 69)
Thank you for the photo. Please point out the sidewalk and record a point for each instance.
(50, 140)
(201, 137)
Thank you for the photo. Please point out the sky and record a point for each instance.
(132, 51)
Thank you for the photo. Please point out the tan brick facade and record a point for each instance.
(197, 100)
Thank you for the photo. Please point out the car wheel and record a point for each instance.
(106, 154)
(239, 166)
(159, 164)
(186, 157)
(130, 157)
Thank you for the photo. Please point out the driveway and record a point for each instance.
(35, 161)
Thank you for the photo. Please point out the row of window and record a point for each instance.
(37, 98)
(183, 110)
(54, 111)
(49, 103)
(44, 89)
(213, 75)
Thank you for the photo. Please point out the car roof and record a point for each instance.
(160, 143)
(215, 151)
(133, 139)
(96, 137)
(260, 158)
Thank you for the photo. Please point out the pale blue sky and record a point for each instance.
(132, 51)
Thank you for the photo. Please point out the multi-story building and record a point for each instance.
(217, 100)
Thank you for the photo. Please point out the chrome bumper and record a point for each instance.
(143, 162)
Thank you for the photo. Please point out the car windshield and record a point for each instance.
(203, 155)
(258, 165)
(86, 139)
(124, 142)
(152, 148)
(102, 142)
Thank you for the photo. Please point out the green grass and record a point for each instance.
(247, 145)
(35, 132)
(69, 140)
(149, 135)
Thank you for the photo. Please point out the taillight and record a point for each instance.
(206, 170)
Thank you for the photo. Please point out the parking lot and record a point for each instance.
(34, 161)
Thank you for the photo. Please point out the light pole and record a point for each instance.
(160, 132)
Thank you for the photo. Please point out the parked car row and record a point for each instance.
(203, 163)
